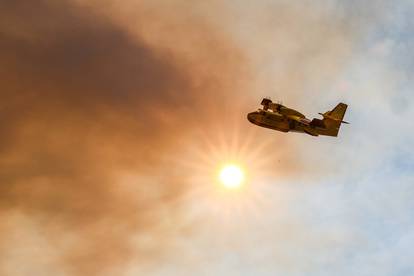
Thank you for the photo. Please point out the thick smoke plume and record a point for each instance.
(88, 114)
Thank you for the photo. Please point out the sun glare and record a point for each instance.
(231, 176)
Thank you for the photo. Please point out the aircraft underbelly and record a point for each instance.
(281, 126)
(274, 122)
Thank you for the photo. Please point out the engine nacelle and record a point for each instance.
(266, 103)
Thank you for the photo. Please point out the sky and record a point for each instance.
(116, 117)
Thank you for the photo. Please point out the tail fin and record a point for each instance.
(333, 119)
(337, 113)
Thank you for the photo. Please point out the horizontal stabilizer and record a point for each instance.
(332, 118)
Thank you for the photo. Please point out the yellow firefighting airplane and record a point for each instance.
(278, 117)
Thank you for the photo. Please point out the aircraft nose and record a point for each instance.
(251, 117)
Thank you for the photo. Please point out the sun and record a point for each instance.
(231, 176)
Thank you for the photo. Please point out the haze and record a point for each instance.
(117, 116)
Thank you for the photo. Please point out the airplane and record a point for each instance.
(278, 117)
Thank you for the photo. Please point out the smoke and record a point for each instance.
(89, 113)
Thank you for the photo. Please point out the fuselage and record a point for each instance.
(278, 121)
